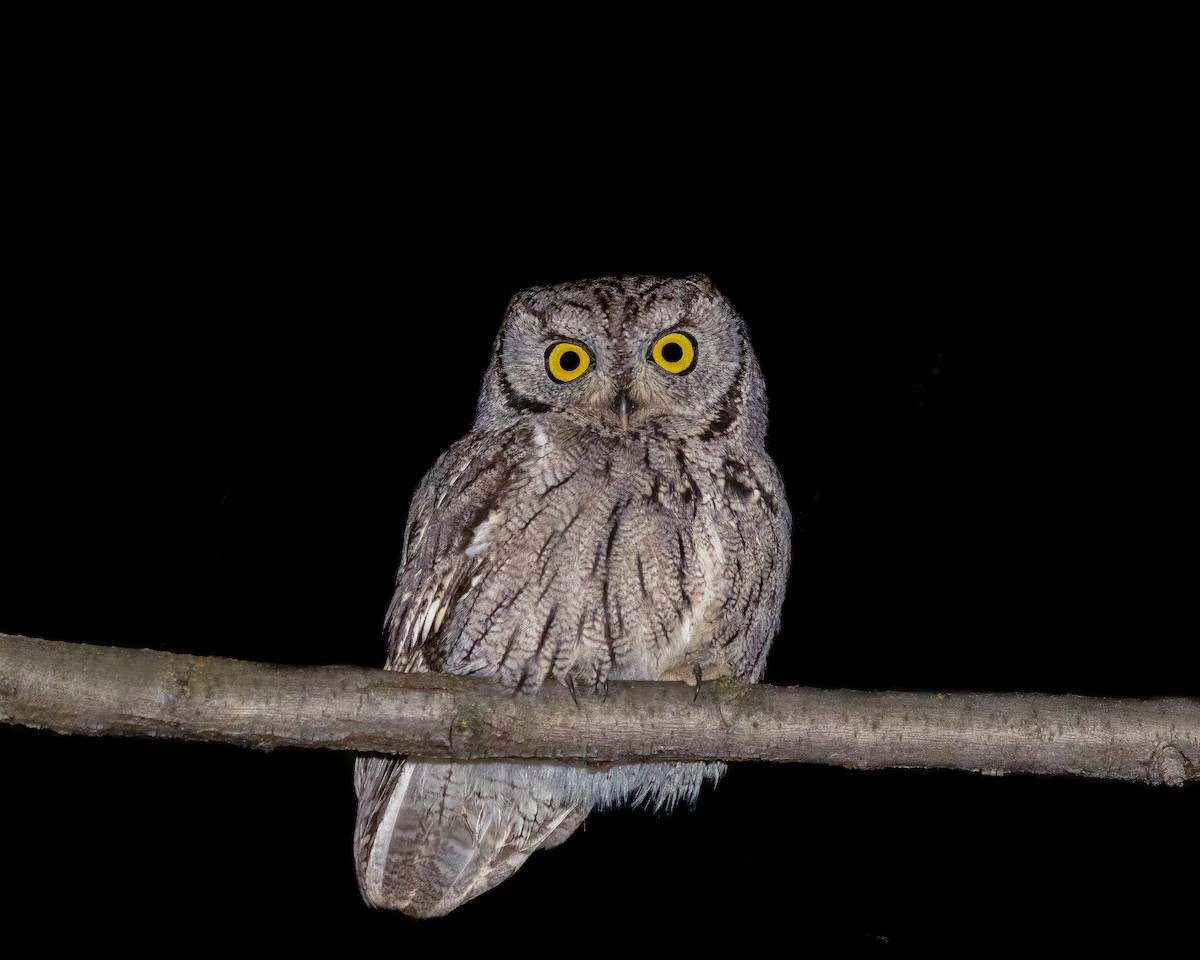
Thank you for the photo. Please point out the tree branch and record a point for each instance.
(104, 691)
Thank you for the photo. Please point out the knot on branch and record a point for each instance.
(1169, 766)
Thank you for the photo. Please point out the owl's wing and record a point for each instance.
(756, 502)
(430, 836)
(445, 546)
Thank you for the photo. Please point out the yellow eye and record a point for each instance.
(566, 361)
(675, 352)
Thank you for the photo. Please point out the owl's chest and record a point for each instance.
(666, 478)
(612, 498)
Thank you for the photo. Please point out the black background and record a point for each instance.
(245, 317)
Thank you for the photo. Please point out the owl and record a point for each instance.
(612, 514)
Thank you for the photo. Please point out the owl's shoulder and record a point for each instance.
(460, 484)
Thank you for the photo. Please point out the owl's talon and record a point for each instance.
(571, 686)
(696, 673)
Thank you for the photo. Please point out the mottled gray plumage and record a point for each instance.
(627, 524)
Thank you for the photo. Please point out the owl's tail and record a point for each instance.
(431, 836)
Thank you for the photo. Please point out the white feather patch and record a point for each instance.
(486, 533)
(382, 841)
(427, 617)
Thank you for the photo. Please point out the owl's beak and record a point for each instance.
(623, 406)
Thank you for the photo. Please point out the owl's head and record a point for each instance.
(626, 356)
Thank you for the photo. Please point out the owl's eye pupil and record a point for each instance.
(672, 352)
(569, 361)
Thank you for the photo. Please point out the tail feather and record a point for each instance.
(431, 836)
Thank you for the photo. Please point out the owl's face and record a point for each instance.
(626, 356)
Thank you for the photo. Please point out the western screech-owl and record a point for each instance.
(612, 514)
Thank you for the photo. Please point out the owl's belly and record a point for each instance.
(664, 573)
